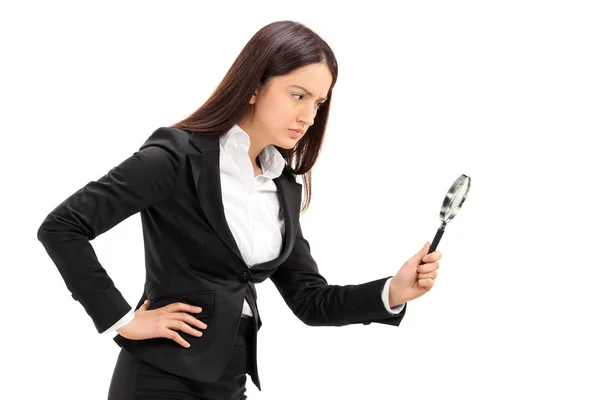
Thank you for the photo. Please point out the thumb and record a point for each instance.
(144, 305)
(417, 258)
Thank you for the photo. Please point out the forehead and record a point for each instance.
(316, 78)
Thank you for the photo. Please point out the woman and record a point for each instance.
(220, 206)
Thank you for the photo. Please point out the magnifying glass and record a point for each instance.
(452, 203)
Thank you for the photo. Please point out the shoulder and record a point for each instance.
(164, 151)
(173, 139)
(288, 174)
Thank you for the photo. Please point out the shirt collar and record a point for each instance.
(271, 160)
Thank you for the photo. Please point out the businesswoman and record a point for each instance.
(220, 204)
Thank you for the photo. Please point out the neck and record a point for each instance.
(256, 144)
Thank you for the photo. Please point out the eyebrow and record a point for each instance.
(307, 92)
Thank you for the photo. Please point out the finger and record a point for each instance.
(431, 275)
(426, 283)
(178, 307)
(416, 259)
(429, 267)
(169, 334)
(434, 256)
(188, 319)
(144, 305)
(182, 326)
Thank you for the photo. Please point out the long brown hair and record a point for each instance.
(276, 49)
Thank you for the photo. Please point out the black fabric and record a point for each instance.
(136, 379)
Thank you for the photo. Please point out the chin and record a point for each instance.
(288, 144)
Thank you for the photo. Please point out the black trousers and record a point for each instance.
(136, 379)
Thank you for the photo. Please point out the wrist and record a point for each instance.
(393, 299)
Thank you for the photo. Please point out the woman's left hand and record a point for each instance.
(415, 279)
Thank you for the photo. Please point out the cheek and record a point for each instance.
(287, 112)
(280, 113)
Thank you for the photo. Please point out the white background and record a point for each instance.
(507, 92)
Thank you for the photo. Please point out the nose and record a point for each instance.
(308, 116)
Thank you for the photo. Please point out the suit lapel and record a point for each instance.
(206, 173)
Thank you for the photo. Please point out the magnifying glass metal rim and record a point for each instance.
(460, 181)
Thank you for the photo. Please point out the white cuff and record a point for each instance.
(120, 323)
(385, 296)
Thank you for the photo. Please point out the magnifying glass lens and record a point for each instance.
(453, 201)
(457, 199)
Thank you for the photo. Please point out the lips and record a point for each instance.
(296, 132)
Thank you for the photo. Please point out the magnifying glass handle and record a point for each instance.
(436, 240)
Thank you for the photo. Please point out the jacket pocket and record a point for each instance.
(204, 299)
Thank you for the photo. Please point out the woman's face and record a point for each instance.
(288, 102)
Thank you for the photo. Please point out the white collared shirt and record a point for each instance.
(252, 208)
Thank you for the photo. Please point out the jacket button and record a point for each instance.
(244, 277)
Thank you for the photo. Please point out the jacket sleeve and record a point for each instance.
(144, 179)
(316, 303)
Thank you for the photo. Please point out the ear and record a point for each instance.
(256, 94)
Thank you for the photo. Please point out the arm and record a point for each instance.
(140, 181)
(317, 303)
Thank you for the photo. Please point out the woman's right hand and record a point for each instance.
(162, 323)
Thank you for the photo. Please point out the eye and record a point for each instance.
(319, 105)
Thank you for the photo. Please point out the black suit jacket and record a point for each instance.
(191, 254)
